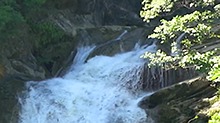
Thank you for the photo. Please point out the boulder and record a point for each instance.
(180, 102)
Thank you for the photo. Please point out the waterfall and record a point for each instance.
(81, 55)
(102, 90)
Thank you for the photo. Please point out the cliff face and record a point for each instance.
(35, 52)
(82, 21)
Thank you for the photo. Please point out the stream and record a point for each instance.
(102, 89)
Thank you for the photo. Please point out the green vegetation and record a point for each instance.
(215, 118)
(215, 113)
(10, 21)
(48, 33)
(17, 16)
(29, 23)
(183, 34)
(159, 8)
(186, 35)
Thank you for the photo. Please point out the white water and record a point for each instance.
(103, 90)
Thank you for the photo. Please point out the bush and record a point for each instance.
(183, 33)
(158, 8)
(215, 118)
(10, 20)
(47, 34)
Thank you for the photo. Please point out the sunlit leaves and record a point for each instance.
(214, 73)
(152, 8)
(217, 8)
(160, 59)
(215, 118)
(196, 25)
(182, 33)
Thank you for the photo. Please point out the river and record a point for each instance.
(103, 89)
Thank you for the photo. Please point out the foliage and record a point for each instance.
(152, 8)
(160, 59)
(7, 2)
(48, 33)
(215, 118)
(183, 34)
(10, 20)
(155, 8)
(196, 25)
(9, 17)
(214, 73)
(215, 112)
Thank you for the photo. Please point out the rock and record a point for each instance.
(98, 13)
(155, 78)
(109, 40)
(205, 47)
(2, 71)
(17, 65)
(9, 90)
(113, 12)
(178, 103)
(64, 4)
(98, 22)
(115, 39)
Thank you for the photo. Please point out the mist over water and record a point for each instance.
(102, 90)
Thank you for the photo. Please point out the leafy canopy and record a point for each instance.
(185, 34)
(154, 8)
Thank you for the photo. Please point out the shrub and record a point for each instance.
(10, 20)
(183, 33)
(47, 34)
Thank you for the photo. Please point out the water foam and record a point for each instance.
(99, 91)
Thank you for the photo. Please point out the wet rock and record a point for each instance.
(98, 22)
(155, 78)
(109, 40)
(178, 103)
(9, 90)
(116, 39)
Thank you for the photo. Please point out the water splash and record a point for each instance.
(120, 36)
(81, 55)
(103, 90)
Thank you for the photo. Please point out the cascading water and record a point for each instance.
(103, 90)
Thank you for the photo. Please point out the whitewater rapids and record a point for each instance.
(103, 89)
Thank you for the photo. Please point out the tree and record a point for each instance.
(184, 33)
(10, 20)
(188, 35)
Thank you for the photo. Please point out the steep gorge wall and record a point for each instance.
(87, 22)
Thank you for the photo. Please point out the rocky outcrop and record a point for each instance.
(84, 22)
(113, 26)
(101, 12)
(155, 78)
(98, 22)
(109, 40)
(179, 103)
